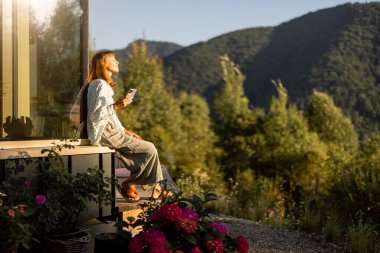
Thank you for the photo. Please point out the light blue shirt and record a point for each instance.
(100, 110)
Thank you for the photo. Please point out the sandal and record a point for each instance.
(129, 192)
(158, 193)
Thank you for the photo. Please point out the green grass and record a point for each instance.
(331, 231)
(311, 221)
(362, 238)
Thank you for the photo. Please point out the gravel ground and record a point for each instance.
(266, 238)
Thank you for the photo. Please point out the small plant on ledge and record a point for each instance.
(180, 225)
(64, 195)
(48, 211)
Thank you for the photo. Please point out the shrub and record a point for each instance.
(181, 225)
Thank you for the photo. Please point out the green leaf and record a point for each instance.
(191, 239)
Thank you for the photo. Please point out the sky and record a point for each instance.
(116, 23)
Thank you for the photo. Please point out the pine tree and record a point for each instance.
(286, 148)
(234, 119)
(332, 127)
(197, 149)
(58, 65)
(154, 113)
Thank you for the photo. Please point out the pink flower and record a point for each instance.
(21, 208)
(154, 238)
(26, 184)
(156, 215)
(195, 250)
(11, 212)
(221, 229)
(188, 214)
(40, 199)
(136, 245)
(168, 212)
(215, 245)
(186, 226)
(242, 245)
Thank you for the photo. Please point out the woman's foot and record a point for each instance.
(130, 192)
(159, 193)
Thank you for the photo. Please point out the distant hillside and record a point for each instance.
(161, 49)
(196, 69)
(336, 50)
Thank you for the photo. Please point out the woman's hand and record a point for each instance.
(122, 103)
(133, 134)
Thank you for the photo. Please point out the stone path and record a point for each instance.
(266, 238)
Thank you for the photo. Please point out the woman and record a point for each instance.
(104, 128)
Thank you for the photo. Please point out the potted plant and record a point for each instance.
(60, 199)
(14, 215)
(178, 224)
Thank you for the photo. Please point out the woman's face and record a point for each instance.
(112, 65)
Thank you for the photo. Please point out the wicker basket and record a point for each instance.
(73, 243)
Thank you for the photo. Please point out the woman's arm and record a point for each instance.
(133, 134)
(122, 103)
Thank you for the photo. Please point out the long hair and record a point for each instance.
(98, 68)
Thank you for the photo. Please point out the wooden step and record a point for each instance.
(131, 209)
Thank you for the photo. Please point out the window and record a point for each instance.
(43, 51)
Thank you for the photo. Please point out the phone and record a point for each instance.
(131, 93)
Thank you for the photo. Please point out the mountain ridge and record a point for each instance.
(334, 50)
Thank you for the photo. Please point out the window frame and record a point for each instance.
(83, 57)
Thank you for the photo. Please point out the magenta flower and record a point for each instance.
(242, 245)
(154, 238)
(40, 199)
(186, 226)
(221, 229)
(156, 215)
(188, 214)
(136, 245)
(215, 245)
(158, 250)
(168, 212)
(195, 250)
(26, 184)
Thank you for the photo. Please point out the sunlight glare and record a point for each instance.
(42, 8)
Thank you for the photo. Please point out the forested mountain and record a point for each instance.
(196, 68)
(161, 49)
(335, 50)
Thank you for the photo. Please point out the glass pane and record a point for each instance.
(46, 69)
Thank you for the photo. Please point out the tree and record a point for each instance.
(234, 120)
(286, 148)
(354, 192)
(197, 148)
(58, 64)
(154, 113)
(332, 127)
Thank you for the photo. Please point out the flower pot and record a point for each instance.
(110, 243)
